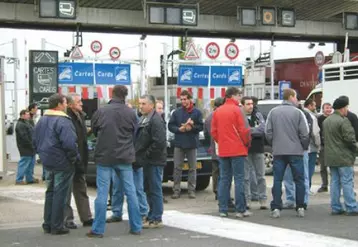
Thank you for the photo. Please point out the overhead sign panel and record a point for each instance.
(268, 16)
(193, 75)
(226, 76)
(247, 16)
(173, 14)
(61, 9)
(288, 18)
(43, 70)
(105, 74)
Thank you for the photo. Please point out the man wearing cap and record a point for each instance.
(340, 153)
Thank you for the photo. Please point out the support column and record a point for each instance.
(3, 160)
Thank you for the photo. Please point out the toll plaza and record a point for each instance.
(188, 223)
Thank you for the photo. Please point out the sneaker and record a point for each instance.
(34, 181)
(62, 231)
(176, 195)
(135, 233)
(263, 205)
(20, 183)
(88, 223)
(322, 189)
(244, 214)
(114, 219)
(248, 206)
(275, 213)
(288, 205)
(224, 215)
(301, 212)
(311, 193)
(91, 234)
(338, 212)
(192, 195)
(154, 225)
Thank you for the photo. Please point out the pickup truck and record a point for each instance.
(203, 163)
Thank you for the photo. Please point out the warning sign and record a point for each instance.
(76, 53)
(191, 52)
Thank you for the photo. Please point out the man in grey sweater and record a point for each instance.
(288, 132)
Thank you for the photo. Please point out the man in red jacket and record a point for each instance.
(232, 136)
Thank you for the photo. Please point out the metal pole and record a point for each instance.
(166, 101)
(2, 117)
(272, 72)
(26, 67)
(16, 63)
(252, 58)
(143, 84)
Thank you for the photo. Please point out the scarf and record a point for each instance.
(190, 108)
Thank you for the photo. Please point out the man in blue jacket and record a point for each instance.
(186, 123)
(55, 141)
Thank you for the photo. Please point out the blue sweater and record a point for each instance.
(188, 139)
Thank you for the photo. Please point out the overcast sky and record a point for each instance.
(129, 45)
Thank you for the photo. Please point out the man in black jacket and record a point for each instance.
(24, 131)
(186, 123)
(151, 153)
(79, 186)
(352, 118)
(114, 126)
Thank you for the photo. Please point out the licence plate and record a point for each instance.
(198, 166)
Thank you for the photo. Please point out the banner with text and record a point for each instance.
(103, 74)
(198, 75)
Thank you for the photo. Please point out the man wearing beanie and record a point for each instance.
(352, 118)
(340, 153)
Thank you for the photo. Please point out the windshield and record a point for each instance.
(266, 108)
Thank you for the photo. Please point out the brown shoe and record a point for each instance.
(20, 183)
(34, 181)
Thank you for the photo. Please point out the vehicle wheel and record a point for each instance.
(202, 182)
(268, 163)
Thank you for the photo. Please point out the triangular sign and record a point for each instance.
(191, 52)
(76, 53)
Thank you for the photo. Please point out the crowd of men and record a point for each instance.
(131, 153)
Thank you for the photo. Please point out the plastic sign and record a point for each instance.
(232, 51)
(212, 50)
(96, 46)
(114, 53)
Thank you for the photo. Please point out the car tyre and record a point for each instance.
(268, 158)
(202, 182)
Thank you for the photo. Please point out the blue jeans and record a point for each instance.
(118, 193)
(104, 174)
(232, 166)
(312, 158)
(290, 185)
(153, 178)
(279, 167)
(25, 169)
(343, 178)
(59, 184)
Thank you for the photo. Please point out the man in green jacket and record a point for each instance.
(340, 154)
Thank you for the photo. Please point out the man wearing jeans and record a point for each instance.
(24, 131)
(255, 159)
(288, 133)
(55, 141)
(114, 126)
(232, 135)
(151, 153)
(340, 153)
(186, 123)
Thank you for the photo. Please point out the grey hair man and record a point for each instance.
(79, 188)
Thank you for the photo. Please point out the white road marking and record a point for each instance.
(212, 225)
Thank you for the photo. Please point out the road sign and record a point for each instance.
(212, 50)
(281, 86)
(193, 75)
(106, 74)
(67, 9)
(96, 46)
(115, 53)
(75, 73)
(191, 52)
(76, 53)
(231, 51)
(319, 59)
(226, 76)
(43, 70)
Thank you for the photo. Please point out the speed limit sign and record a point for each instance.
(96, 46)
(231, 51)
(212, 50)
